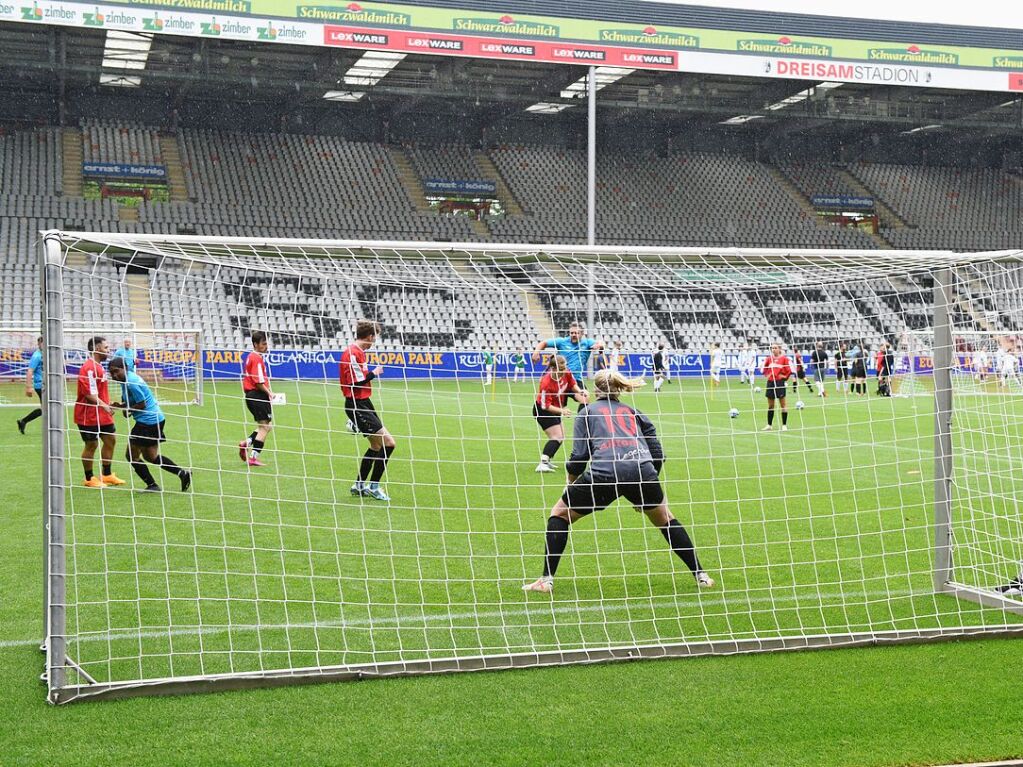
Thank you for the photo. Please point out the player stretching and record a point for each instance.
(256, 385)
(660, 368)
(777, 370)
(575, 348)
(34, 384)
(625, 457)
(138, 402)
(518, 361)
(357, 386)
(819, 361)
(94, 416)
(555, 386)
(800, 372)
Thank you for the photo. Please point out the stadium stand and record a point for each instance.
(110, 141)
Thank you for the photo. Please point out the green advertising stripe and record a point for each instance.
(519, 26)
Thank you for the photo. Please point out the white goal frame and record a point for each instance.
(58, 663)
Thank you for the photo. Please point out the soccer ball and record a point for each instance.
(756, 389)
(733, 413)
(800, 405)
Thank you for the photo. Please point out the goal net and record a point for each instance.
(983, 361)
(858, 518)
(167, 358)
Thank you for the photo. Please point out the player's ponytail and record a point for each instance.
(609, 384)
(557, 364)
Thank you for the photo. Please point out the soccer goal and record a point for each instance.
(168, 358)
(856, 519)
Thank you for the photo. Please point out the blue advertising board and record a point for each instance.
(119, 170)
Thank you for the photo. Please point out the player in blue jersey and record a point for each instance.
(128, 354)
(575, 348)
(34, 383)
(615, 454)
(139, 403)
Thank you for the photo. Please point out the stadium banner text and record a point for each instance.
(842, 201)
(453, 32)
(294, 365)
(123, 170)
(447, 186)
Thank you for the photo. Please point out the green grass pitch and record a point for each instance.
(822, 529)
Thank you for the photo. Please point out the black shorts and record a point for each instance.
(801, 375)
(91, 433)
(147, 434)
(362, 413)
(859, 370)
(258, 403)
(545, 418)
(775, 390)
(587, 495)
(840, 372)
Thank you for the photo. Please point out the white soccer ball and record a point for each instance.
(756, 389)
(733, 413)
(800, 405)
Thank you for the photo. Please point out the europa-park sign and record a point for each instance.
(454, 32)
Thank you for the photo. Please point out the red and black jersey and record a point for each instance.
(553, 393)
(255, 372)
(92, 379)
(356, 380)
(777, 368)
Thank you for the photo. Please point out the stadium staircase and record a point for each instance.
(171, 155)
(888, 216)
(480, 228)
(141, 309)
(72, 157)
(785, 183)
(504, 192)
(538, 314)
(409, 179)
(125, 213)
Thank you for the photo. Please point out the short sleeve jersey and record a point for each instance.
(255, 372)
(777, 368)
(576, 355)
(135, 392)
(35, 364)
(92, 379)
(354, 372)
(554, 393)
(130, 357)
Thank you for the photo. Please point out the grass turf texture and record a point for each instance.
(807, 531)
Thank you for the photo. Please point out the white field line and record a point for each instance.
(808, 602)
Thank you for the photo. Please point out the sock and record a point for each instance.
(257, 445)
(168, 465)
(557, 540)
(784, 417)
(37, 413)
(88, 470)
(107, 468)
(681, 544)
(551, 448)
(383, 456)
(366, 466)
(658, 382)
(143, 472)
(251, 438)
(770, 416)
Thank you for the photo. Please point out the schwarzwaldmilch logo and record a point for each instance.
(912, 54)
(1008, 62)
(649, 36)
(354, 13)
(784, 45)
(505, 25)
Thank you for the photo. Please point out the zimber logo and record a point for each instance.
(649, 36)
(282, 32)
(93, 19)
(155, 24)
(506, 25)
(784, 45)
(912, 55)
(354, 13)
(211, 28)
(35, 13)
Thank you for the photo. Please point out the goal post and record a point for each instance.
(869, 519)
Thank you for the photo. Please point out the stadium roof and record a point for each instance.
(46, 68)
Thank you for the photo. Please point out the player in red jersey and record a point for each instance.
(256, 385)
(357, 386)
(555, 386)
(777, 370)
(94, 416)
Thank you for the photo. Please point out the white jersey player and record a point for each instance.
(748, 363)
(1008, 368)
(716, 362)
(981, 365)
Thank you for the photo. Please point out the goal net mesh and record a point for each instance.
(822, 534)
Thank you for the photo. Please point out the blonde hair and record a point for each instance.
(609, 384)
